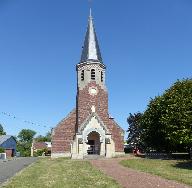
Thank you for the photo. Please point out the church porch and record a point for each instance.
(94, 145)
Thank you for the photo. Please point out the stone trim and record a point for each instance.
(85, 134)
(118, 154)
(80, 65)
(86, 122)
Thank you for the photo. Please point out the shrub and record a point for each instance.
(2, 150)
(40, 152)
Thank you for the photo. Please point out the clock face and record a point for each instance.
(93, 91)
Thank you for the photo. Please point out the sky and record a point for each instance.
(146, 46)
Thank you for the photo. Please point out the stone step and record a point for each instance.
(93, 157)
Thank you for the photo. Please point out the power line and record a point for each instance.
(23, 120)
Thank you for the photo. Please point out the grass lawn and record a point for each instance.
(178, 170)
(61, 173)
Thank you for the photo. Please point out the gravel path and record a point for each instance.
(129, 178)
(9, 168)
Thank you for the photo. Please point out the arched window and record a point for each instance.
(92, 74)
(82, 75)
(101, 76)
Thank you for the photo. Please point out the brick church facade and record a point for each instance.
(89, 129)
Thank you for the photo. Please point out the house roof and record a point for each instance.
(4, 138)
(40, 145)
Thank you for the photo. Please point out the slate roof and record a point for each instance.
(91, 51)
(4, 138)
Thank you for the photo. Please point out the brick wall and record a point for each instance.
(117, 136)
(9, 153)
(85, 101)
(63, 134)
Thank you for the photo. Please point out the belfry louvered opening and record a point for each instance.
(82, 75)
(101, 76)
(92, 74)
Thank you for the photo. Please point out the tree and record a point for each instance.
(2, 130)
(134, 130)
(167, 122)
(46, 138)
(24, 143)
(40, 138)
(26, 135)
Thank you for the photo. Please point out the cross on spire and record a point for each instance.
(90, 13)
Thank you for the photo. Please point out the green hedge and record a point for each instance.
(40, 152)
(2, 150)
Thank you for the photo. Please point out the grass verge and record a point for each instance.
(179, 170)
(59, 173)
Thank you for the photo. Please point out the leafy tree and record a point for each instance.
(40, 138)
(2, 130)
(24, 143)
(26, 135)
(46, 138)
(167, 122)
(134, 130)
(24, 149)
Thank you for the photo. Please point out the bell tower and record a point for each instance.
(91, 89)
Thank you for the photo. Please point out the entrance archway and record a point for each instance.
(93, 143)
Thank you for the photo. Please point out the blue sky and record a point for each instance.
(146, 46)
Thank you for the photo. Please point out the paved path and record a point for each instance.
(10, 167)
(129, 178)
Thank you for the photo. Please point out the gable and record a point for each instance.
(8, 143)
(4, 138)
(93, 122)
(68, 121)
(114, 123)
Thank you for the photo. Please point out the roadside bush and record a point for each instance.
(2, 150)
(128, 150)
(40, 152)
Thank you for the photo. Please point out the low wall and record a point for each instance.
(3, 156)
(167, 155)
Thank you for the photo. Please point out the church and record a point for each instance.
(89, 129)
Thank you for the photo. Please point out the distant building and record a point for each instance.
(89, 129)
(36, 146)
(9, 144)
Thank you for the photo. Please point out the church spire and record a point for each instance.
(91, 51)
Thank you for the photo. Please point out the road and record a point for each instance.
(9, 168)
